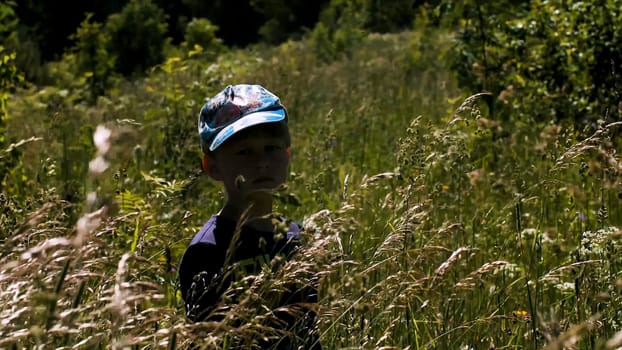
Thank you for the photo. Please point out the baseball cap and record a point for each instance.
(236, 108)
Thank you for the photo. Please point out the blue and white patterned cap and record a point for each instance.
(236, 108)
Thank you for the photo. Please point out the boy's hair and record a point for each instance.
(235, 109)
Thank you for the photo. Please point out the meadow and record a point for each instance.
(431, 222)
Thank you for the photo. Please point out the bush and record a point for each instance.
(389, 16)
(93, 59)
(201, 32)
(341, 27)
(137, 36)
(344, 23)
(549, 60)
(9, 77)
(21, 40)
(287, 19)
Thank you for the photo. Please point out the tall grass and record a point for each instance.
(430, 224)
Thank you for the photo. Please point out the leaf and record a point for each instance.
(520, 79)
(136, 235)
(129, 202)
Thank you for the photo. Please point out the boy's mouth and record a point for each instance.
(262, 179)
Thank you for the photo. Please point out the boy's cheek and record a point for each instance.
(284, 157)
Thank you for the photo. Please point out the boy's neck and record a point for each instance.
(255, 209)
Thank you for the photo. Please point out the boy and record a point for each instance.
(245, 140)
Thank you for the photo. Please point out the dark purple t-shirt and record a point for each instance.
(213, 260)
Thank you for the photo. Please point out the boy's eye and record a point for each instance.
(272, 148)
(243, 152)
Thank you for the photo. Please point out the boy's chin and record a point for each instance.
(266, 188)
(259, 190)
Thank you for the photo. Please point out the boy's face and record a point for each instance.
(256, 162)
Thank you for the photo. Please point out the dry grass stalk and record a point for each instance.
(13, 146)
(569, 338)
(442, 269)
(33, 220)
(79, 291)
(87, 224)
(470, 281)
(366, 182)
(558, 273)
(466, 106)
(615, 342)
(594, 142)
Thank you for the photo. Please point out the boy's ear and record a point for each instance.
(205, 163)
(209, 167)
(288, 152)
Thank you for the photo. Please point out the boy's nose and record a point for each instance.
(261, 160)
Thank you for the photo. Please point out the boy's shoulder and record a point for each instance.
(206, 234)
(209, 233)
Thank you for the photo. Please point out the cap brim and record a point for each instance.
(246, 122)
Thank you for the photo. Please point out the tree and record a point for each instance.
(9, 77)
(549, 60)
(287, 19)
(238, 21)
(390, 16)
(341, 26)
(200, 31)
(93, 58)
(49, 24)
(137, 37)
(9, 74)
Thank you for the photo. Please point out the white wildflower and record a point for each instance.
(101, 138)
(98, 165)
(595, 244)
(508, 269)
(91, 198)
(565, 287)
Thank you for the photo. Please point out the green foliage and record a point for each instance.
(61, 159)
(201, 32)
(9, 78)
(576, 66)
(340, 28)
(16, 37)
(8, 71)
(137, 37)
(477, 55)
(28, 58)
(343, 24)
(93, 60)
(551, 60)
(8, 20)
(287, 19)
(389, 16)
